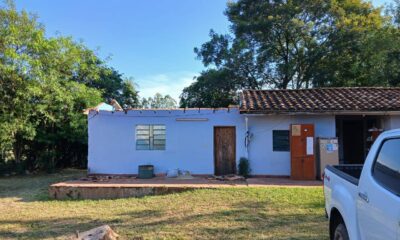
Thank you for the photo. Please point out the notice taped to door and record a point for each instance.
(310, 146)
(296, 130)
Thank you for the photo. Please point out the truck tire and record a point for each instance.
(341, 232)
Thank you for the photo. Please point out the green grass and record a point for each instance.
(229, 213)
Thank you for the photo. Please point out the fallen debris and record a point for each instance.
(103, 178)
(229, 177)
(173, 173)
(100, 233)
(179, 174)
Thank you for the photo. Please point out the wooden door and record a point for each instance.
(302, 152)
(224, 150)
(309, 168)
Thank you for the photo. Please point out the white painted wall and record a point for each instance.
(263, 160)
(391, 122)
(189, 145)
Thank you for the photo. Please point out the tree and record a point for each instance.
(85, 67)
(128, 97)
(231, 55)
(158, 101)
(19, 35)
(300, 44)
(212, 88)
(393, 11)
(45, 83)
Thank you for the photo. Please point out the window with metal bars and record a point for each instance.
(150, 137)
(280, 141)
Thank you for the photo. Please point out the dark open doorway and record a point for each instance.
(353, 141)
(354, 137)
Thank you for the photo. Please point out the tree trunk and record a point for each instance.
(17, 148)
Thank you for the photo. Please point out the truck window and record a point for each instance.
(386, 169)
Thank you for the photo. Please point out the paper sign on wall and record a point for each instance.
(296, 130)
(310, 146)
(329, 147)
(335, 146)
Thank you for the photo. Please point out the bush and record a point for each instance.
(47, 161)
(11, 167)
(6, 167)
(244, 167)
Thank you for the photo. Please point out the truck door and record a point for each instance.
(378, 200)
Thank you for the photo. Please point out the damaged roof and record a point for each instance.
(319, 100)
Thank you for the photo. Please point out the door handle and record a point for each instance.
(363, 196)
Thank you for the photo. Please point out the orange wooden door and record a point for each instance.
(309, 168)
(302, 151)
(224, 150)
(297, 149)
(296, 168)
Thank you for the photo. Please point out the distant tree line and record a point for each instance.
(158, 101)
(297, 44)
(45, 83)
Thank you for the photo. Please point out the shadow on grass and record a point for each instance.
(29, 188)
(244, 223)
(66, 227)
(254, 219)
(51, 228)
(141, 214)
(248, 219)
(258, 215)
(32, 188)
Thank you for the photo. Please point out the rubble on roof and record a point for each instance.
(116, 105)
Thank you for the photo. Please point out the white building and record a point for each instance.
(211, 141)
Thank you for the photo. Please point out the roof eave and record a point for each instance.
(345, 112)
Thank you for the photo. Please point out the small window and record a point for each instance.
(150, 137)
(386, 169)
(280, 141)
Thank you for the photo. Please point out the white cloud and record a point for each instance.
(165, 83)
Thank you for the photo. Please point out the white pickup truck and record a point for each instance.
(363, 202)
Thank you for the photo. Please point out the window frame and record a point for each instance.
(151, 138)
(288, 144)
(379, 182)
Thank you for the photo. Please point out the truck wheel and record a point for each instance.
(341, 232)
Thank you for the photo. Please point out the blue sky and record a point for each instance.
(149, 40)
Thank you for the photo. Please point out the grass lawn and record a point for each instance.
(229, 213)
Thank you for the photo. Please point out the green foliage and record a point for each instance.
(45, 83)
(211, 89)
(244, 167)
(158, 101)
(128, 97)
(298, 44)
(394, 11)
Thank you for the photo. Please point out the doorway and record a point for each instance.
(302, 157)
(224, 150)
(354, 137)
(353, 141)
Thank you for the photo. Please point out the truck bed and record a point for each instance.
(349, 172)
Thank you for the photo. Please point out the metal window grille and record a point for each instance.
(150, 137)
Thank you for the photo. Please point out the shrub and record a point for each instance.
(11, 167)
(244, 167)
(47, 161)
